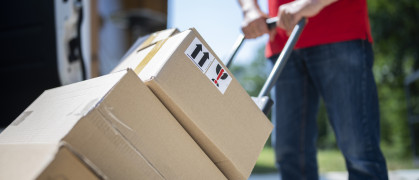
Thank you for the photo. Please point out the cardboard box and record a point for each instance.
(117, 123)
(206, 99)
(44, 161)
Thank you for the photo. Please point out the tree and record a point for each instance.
(395, 31)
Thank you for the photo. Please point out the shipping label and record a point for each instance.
(208, 65)
(199, 54)
(218, 76)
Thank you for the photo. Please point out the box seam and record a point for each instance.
(129, 142)
(89, 164)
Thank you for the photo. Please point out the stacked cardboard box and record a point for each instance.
(179, 115)
(116, 123)
(205, 98)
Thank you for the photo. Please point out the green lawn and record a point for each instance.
(265, 162)
(329, 160)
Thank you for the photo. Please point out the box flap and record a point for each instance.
(66, 162)
(142, 47)
(154, 63)
(158, 36)
(58, 109)
(132, 60)
(43, 161)
(28, 158)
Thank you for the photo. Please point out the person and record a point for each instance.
(333, 60)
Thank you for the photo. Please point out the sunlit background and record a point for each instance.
(218, 21)
(31, 59)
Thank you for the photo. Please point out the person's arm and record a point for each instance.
(289, 14)
(254, 20)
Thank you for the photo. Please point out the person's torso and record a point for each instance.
(340, 21)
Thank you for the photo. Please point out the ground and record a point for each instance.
(332, 167)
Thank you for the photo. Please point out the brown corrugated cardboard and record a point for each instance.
(67, 165)
(151, 40)
(117, 123)
(43, 161)
(206, 99)
(158, 36)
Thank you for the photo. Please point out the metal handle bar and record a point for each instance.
(283, 58)
(271, 22)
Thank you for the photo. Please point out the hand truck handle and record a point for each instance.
(271, 22)
(283, 58)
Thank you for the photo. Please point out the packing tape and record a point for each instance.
(148, 41)
(149, 56)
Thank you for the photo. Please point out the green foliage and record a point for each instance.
(253, 76)
(395, 31)
(395, 28)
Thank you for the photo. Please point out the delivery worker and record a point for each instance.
(332, 59)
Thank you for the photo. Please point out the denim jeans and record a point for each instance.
(341, 74)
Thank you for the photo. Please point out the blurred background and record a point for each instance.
(47, 43)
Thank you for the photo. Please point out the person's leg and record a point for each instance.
(295, 127)
(343, 75)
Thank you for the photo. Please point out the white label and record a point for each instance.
(218, 76)
(199, 54)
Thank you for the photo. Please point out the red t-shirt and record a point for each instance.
(340, 21)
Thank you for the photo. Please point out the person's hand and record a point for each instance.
(289, 14)
(254, 23)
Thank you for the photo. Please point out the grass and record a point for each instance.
(328, 160)
(265, 162)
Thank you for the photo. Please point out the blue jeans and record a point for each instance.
(340, 73)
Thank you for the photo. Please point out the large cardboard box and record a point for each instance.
(44, 161)
(117, 123)
(205, 98)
